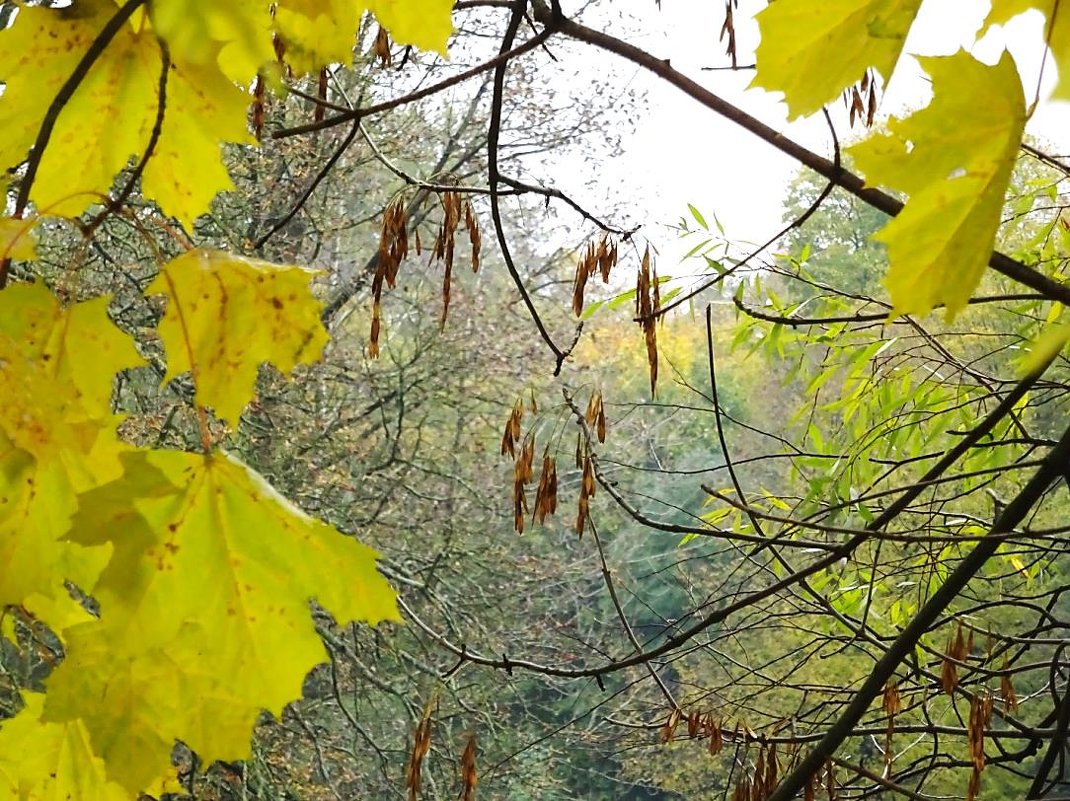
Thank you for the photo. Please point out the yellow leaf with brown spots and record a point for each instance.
(226, 315)
(204, 109)
(112, 113)
(954, 159)
(17, 240)
(57, 433)
(205, 616)
(38, 54)
(54, 761)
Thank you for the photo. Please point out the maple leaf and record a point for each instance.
(1057, 32)
(17, 240)
(235, 37)
(113, 112)
(37, 502)
(812, 51)
(226, 315)
(52, 362)
(205, 616)
(321, 32)
(204, 109)
(71, 346)
(317, 32)
(956, 175)
(423, 23)
(37, 55)
(52, 761)
(57, 433)
(212, 49)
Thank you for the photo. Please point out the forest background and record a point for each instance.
(756, 526)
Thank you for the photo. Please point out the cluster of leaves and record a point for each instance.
(956, 176)
(166, 574)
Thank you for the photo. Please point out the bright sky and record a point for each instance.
(681, 153)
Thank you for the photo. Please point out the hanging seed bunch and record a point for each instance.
(546, 491)
(468, 770)
(980, 715)
(511, 435)
(259, 111)
(523, 471)
(647, 304)
(728, 30)
(321, 95)
(587, 485)
(601, 259)
(667, 732)
(421, 744)
(596, 416)
(455, 208)
(381, 48)
(523, 474)
(861, 99)
(706, 726)
(958, 649)
(393, 248)
(758, 784)
(1006, 689)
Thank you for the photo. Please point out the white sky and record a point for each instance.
(681, 153)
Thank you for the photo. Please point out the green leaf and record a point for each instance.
(954, 159)
(698, 217)
(813, 51)
(715, 265)
(695, 249)
(1046, 347)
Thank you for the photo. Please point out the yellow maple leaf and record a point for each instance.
(57, 433)
(205, 610)
(113, 112)
(17, 240)
(317, 32)
(226, 315)
(56, 363)
(813, 51)
(234, 36)
(204, 109)
(954, 159)
(38, 53)
(110, 115)
(1058, 34)
(213, 48)
(422, 23)
(51, 761)
(39, 502)
(61, 611)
